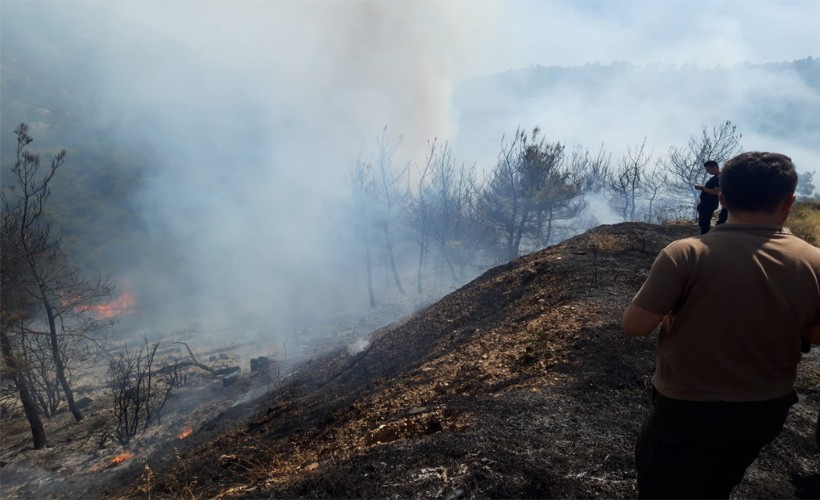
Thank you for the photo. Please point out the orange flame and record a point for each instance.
(119, 306)
(122, 457)
(185, 433)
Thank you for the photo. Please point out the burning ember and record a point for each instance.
(122, 457)
(185, 433)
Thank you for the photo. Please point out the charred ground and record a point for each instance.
(518, 385)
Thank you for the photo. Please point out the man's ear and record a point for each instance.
(786, 204)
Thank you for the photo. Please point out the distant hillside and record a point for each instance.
(773, 103)
(52, 79)
(528, 82)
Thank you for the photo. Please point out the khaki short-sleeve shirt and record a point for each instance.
(739, 298)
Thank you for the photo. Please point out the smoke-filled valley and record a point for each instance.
(279, 180)
(224, 164)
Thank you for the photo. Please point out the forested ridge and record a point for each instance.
(780, 114)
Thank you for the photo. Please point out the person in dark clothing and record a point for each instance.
(709, 198)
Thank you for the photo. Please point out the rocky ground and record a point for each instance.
(518, 385)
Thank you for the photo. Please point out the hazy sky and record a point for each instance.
(477, 37)
(704, 32)
(255, 110)
(367, 64)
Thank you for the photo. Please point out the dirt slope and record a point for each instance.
(518, 385)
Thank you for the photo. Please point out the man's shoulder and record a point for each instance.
(690, 244)
(684, 250)
(802, 248)
(765, 238)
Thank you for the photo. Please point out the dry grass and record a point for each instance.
(804, 221)
(607, 243)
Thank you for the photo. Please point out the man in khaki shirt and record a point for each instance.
(733, 304)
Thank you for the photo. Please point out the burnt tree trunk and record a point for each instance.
(371, 294)
(38, 432)
(392, 259)
(58, 358)
(519, 233)
(419, 272)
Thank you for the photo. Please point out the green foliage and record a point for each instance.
(804, 221)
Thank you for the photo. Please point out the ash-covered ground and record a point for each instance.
(518, 385)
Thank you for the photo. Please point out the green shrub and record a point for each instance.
(804, 221)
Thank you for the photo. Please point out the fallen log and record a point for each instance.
(185, 364)
(227, 370)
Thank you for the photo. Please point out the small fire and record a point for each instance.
(119, 306)
(122, 457)
(185, 433)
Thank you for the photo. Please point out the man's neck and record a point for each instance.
(776, 218)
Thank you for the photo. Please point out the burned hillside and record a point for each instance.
(518, 385)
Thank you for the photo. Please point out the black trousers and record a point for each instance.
(705, 218)
(722, 216)
(690, 449)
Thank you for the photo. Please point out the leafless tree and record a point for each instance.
(379, 202)
(628, 180)
(684, 165)
(440, 210)
(13, 370)
(41, 373)
(363, 190)
(593, 172)
(52, 294)
(391, 196)
(655, 184)
(420, 211)
(454, 229)
(138, 394)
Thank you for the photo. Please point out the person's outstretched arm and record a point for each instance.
(638, 322)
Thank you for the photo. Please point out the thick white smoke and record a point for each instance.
(250, 113)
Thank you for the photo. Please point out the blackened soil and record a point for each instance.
(518, 385)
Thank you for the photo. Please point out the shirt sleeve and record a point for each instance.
(663, 287)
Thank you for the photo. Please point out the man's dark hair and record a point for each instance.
(710, 163)
(757, 181)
